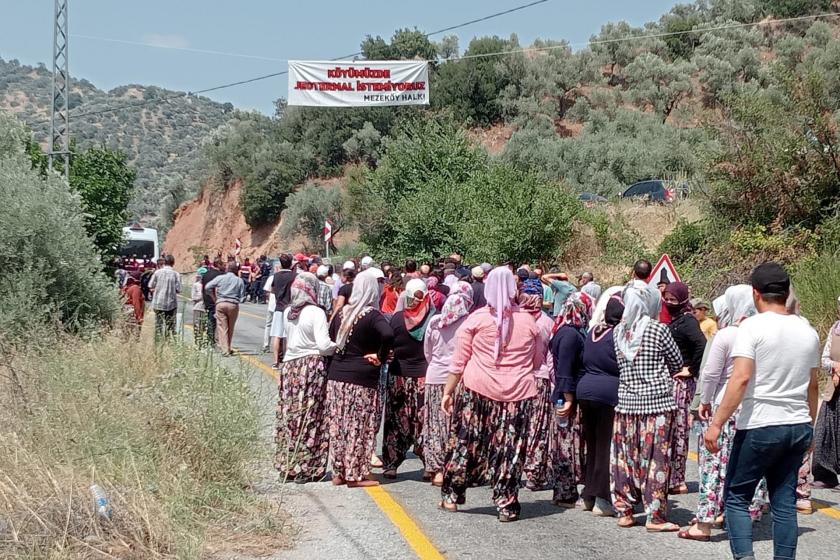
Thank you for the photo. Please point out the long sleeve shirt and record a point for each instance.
(545, 324)
(438, 347)
(718, 366)
(690, 340)
(229, 288)
(166, 284)
(567, 351)
(308, 335)
(511, 377)
(409, 359)
(645, 385)
(372, 334)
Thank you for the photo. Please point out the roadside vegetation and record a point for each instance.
(168, 434)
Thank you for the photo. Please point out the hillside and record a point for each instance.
(159, 139)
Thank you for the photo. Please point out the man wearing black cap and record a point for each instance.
(777, 357)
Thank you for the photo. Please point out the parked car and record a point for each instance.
(591, 198)
(652, 190)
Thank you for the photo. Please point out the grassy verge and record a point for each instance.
(168, 434)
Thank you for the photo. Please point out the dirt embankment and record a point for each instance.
(211, 223)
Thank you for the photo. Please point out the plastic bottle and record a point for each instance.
(100, 502)
(562, 421)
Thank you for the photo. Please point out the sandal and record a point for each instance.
(564, 504)
(508, 516)
(667, 527)
(446, 506)
(390, 474)
(362, 483)
(686, 534)
(338, 481)
(376, 462)
(681, 489)
(427, 476)
(626, 522)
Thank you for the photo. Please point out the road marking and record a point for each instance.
(820, 506)
(410, 531)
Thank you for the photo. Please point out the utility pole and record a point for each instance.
(60, 117)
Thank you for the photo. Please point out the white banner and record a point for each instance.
(366, 83)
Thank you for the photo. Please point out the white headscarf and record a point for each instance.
(637, 307)
(654, 298)
(365, 297)
(601, 304)
(721, 311)
(739, 303)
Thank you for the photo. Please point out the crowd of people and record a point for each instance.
(514, 377)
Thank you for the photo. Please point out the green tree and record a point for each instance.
(405, 44)
(308, 208)
(276, 169)
(470, 87)
(364, 146)
(104, 182)
(794, 8)
(49, 268)
(514, 216)
(658, 84)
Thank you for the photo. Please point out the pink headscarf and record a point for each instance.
(500, 291)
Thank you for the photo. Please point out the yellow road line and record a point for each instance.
(819, 506)
(410, 531)
(264, 369)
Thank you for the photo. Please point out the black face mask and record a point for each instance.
(674, 309)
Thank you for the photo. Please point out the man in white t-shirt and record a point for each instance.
(272, 305)
(777, 356)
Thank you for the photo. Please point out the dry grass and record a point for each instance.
(167, 433)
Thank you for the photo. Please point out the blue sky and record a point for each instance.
(271, 31)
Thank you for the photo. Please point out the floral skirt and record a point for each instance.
(538, 449)
(403, 420)
(302, 430)
(353, 428)
(436, 426)
(487, 442)
(713, 477)
(684, 390)
(640, 463)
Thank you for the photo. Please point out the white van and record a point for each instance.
(140, 241)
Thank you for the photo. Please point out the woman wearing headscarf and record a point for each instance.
(567, 351)
(438, 347)
(438, 298)
(391, 292)
(538, 467)
(406, 378)
(302, 426)
(692, 344)
(640, 458)
(826, 462)
(496, 353)
(597, 395)
(363, 341)
(736, 306)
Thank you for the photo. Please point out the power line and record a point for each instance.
(649, 36)
(174, 48)
(284, 72)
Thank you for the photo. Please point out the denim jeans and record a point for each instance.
(774, 452)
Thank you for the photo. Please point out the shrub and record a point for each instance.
(50, 271)
(686, 240)
(816, 280)
(308, 208)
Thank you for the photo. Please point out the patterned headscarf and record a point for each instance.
(638, 303)
(499, 291)
(575, 312)
(418, 311)
(304, 292)
(457, 305)
(532, 286)
(532, 303)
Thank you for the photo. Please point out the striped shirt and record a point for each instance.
(645, 385)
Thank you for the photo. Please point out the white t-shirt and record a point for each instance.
(307, 335)
(785, 349)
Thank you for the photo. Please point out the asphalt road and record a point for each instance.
(342, 523)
